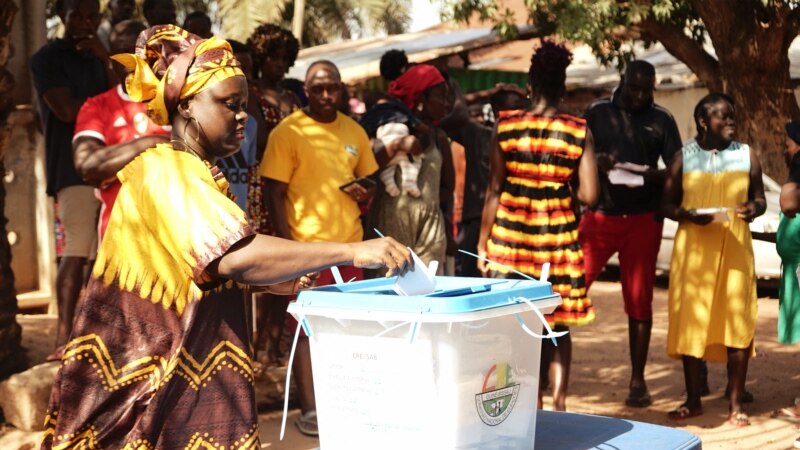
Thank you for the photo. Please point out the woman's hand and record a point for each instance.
(483, 266)
(384, 252)
(747, 211)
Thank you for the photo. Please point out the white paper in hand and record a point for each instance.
(718, 214)
(420, 280)
(631, 167)
(630, 179)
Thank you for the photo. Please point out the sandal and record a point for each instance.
(307, 423)
(791, 414)
(638, 398)
(683, 412)
(739, 419)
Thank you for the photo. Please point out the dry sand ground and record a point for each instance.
(601, 371)
(600, 377)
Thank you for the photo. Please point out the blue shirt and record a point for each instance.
(236, 166)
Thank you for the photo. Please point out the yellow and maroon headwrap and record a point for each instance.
(171, 64)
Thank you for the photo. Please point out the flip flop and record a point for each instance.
(739, 419)
(638, 398)
(683, 413)
(790, 414)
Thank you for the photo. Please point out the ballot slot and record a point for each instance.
(383, 287)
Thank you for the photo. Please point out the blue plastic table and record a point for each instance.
(570, 431)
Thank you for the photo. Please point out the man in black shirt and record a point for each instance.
(630, 133)
(65, 73)
(477, 142)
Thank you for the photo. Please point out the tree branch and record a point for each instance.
(686, 49)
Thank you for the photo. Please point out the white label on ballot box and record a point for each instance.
(373, 387)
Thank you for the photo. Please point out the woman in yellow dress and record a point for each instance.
(713, 190)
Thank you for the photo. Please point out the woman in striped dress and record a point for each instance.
(543, 158)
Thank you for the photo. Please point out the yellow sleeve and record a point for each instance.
(278, 162)
(170, 220)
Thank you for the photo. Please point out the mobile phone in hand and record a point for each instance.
(365, 182)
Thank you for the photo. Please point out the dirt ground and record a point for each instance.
(600, 373)
(599, 381)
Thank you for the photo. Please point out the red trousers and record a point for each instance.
(637, 239)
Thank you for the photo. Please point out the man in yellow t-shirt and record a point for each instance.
(310, 156)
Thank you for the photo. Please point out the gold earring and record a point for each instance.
(197, 127)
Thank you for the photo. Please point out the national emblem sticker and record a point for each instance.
(496, 401)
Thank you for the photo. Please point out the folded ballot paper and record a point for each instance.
(719, 214)
(420, 280)
(626, 174)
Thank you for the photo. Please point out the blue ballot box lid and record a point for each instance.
(453, 295)
(568, 431)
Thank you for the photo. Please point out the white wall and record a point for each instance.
(681, 103)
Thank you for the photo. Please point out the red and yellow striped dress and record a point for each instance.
(535, 221)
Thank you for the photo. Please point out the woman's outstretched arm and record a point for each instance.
(263, 260)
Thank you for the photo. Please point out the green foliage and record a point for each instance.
(325, 20)
(238, 18)
(184, 7)
(607, 26)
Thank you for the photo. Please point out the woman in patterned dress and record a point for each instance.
(543, 159)
(159, 355)
(712, 286)
(274, 51)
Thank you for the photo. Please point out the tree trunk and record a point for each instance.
(298, 18)
(763, 106)
(752, 42)
(12, 356)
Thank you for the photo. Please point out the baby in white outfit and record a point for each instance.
(408, 164)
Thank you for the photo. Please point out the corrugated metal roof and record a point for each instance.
(359, 60)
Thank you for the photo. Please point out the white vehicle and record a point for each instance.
(768, 263)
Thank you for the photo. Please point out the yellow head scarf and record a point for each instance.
(171, 64)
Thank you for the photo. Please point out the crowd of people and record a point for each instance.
(199, 190)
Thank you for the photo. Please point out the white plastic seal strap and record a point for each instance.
(413, 329)
(337, 276)
(301, 321)
(543, 278)
(552, 335)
